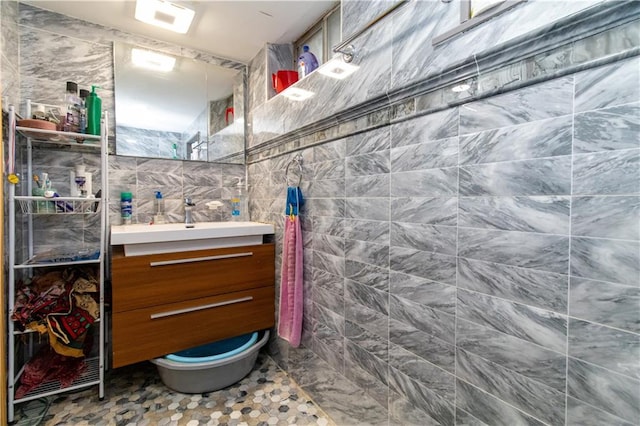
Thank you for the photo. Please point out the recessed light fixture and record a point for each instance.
(165, 15)
(337, 69)
(152, 60)
(296, 94)
(461, 88)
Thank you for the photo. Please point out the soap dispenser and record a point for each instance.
(239, 206)
(158, 217)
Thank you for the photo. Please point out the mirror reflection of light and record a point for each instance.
(297, 94)
(152, 60)
(460, 88)
(165, 15)
(337, 69)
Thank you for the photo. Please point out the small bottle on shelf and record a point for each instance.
(126, 207)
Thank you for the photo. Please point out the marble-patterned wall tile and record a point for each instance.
(357, 13)
(545, 100)
(435, 211)
(545, 328)
(328, 345)
(615, 305)
(367, 142)
(322, 279)
(431, 321)
(367, 208)
(328, 225)
(607, 173)
(425, 345)
(529, 214)
(368, 186)
(441, 297)
(606, 347)
(423, 372)
(367, 371)
(607, 86)
(326, 188)
(550, 176)
(279, 57)
(606, 260)
(440, 153)
(431, 127)
(525, 358)
(333, 207)
(369, 343)
(430, 238)
(548, 138)
(367, 164)
(537, 251)
(489, 409)
(607, 129)
(366, 295)
(606, 217)
(257, 82)
(367, 274)
(368, 319)
(534, 398)
(328, 318)
(365, 230)
(542, 289)
(329, 170)
(365, 252)
(432, 266)
(465, 419)
(581, 414)
(329, 244)
(424, 183)
(331, 264)
(613, 393)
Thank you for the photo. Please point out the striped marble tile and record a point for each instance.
(374, 344)
(542, 289)
(370, 253)
(539, 326)
(328, 299)
(581, 414)
(367, 208)
(329, 346)
(606, 347)
(367, 274)
(544, 252)
(429, 155)
(424, 345)
(606, 217)
(550, 176)
(330, 151)
(370, 320)
(429, 238)
(439, 381)
(327, 188)
(439, 125)
(534, 398)
(425, 183)
(367, 371)
(613, 393)
(373, 141)
(545, 100)
(432, 266)
(525, 358)
(530, 214)
(404, 412)
(436, 211)
(424, 292)
(367, 230)
(329, 244)
(334, 265)
(615, 305)
(607, 129)
(489, 409)
(329, 170)
(465, 419)
(328, 318)
(607, 173)
(366, 296)
(615, 84)
(438, 407)
(423, 318)
(549, 138)
(328, 225)
(606, 260)
(334, 207)
(368, 186)
(374, 163)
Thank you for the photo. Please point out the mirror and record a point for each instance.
(175, 107)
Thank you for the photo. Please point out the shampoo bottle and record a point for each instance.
(94, 112)
(158, 217)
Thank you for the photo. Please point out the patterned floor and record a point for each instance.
(136, 396)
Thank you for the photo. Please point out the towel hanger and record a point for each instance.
(298, 160)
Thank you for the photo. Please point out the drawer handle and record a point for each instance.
(201, 307)
(199, 259)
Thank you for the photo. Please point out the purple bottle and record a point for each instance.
(307, 62)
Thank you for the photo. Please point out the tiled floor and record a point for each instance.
(135, 395)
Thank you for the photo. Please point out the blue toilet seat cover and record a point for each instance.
(216, 350)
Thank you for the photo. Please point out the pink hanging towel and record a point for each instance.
(291, 295)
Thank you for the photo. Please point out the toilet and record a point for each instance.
(212, 366)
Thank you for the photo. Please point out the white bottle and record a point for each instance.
(239, 212)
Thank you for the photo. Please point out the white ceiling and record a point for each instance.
(232, 29)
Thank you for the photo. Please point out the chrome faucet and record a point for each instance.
(188, 216)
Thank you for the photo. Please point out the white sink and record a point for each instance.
(173, 237)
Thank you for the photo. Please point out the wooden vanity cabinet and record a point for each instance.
(164, 303)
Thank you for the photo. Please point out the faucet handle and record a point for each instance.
(188, 202)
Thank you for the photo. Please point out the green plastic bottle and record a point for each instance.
(94, 112)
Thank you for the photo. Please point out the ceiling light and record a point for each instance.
(296, 94)
(337, 69)
(164, 14)
(461, 88)
(152, 60)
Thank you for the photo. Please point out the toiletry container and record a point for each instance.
(72, 105)
(239, 206)
(126, 207)
(307, 62)
(94, 112)
(158, 217)
(82, 124)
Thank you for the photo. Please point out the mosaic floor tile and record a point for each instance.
(135, 396)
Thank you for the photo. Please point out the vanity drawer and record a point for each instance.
(143, 334)
(159, 279)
